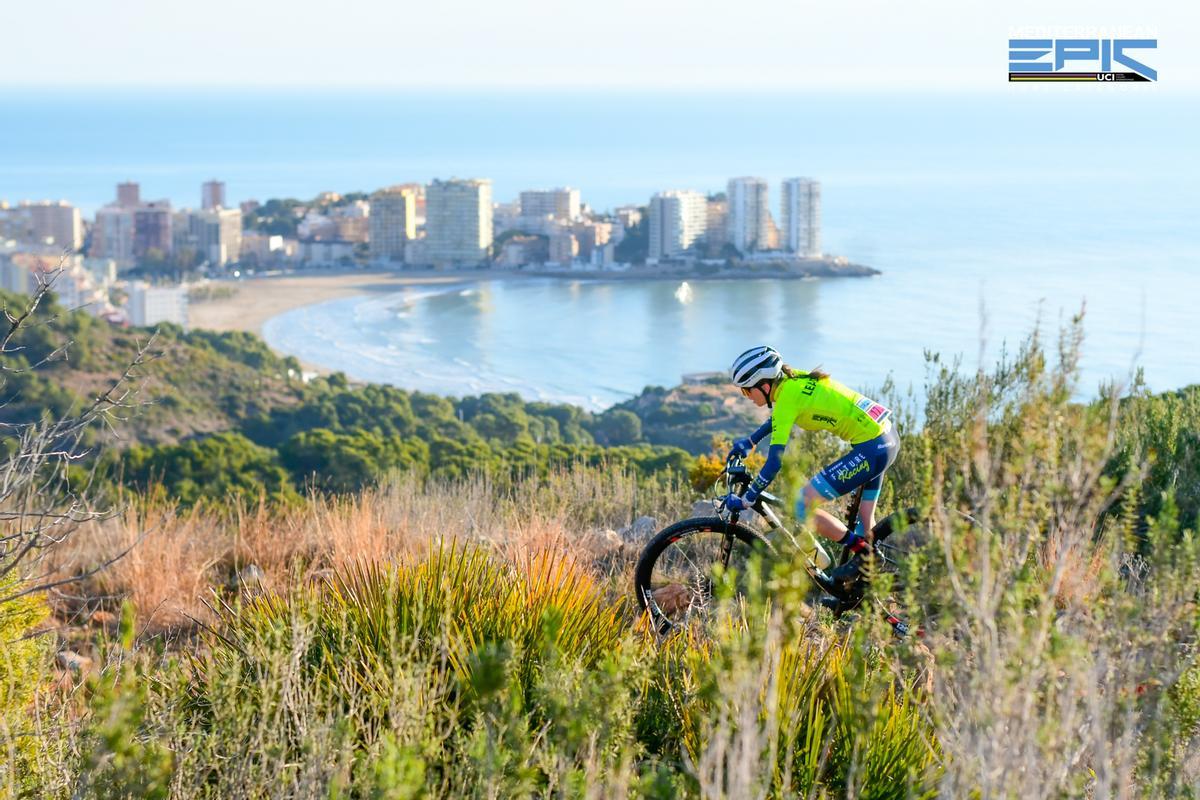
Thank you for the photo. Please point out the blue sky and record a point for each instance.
(653, 44)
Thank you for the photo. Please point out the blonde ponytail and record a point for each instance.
(816, 373)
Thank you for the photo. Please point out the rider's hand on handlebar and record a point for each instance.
(733, 502)
(741, 448)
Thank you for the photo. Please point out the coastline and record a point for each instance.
(257, 300)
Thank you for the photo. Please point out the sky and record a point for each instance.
(766, 45)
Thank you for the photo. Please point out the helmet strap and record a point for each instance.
(767, 387)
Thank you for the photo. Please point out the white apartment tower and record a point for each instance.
(393, 222)
(677, 220)
(562, 204)
(747, 224)
(458, 222)
(801, 217)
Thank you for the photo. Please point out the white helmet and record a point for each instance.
(756, 364)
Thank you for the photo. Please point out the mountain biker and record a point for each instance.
(813, 401)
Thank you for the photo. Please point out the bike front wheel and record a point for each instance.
(676, 575)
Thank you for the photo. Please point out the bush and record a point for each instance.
(24, 667)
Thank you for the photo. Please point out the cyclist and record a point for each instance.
(813, 401)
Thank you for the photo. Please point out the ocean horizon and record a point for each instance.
(1029, 205)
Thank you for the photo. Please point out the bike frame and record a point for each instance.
(737, 480)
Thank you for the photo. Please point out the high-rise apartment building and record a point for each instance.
(45, 223)
(59, 222)
(716, 212)
(677, 220)
(152, 229)
(393, 223)
(562, 204)
(212, 195)
(747, 224)
(129, 194)
(458, 222)
(112, 235)
(801, 217)
(213, 235)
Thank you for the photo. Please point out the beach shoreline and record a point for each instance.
(257, 300)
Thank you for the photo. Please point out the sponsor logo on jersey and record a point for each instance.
(873, 410)
(825, 419)
(856, 464)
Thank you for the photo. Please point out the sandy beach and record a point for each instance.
(256, 300)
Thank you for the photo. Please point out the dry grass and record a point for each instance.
(181, 556)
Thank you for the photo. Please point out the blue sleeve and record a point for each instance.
(767, 473)
(763, 431)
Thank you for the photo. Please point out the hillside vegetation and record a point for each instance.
(466, 630)
(221, 416)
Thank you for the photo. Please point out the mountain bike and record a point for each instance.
(675, 578)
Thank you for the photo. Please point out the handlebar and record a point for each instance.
(737, 480)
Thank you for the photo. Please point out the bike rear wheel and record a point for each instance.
(675, 577)
(847, 584)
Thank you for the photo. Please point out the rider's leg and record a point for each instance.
(863, 466)
(888, 444)
(815, 492)
(866, 508)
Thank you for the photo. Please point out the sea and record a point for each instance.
(990, 216)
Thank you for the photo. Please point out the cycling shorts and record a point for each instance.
(864, 465)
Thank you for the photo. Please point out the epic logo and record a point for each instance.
(1025, 59)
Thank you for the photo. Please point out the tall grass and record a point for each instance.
(181, 555)
(469, 641)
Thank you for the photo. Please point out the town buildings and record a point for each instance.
(326, 252)
(458, 222)
(716, 215)
(152, 230)
(56, 224)
(801, 217)
(748, 224)
(677, 220)
(213, 235)
(129, 194)
(351, 221)
(266, 250)
(130, 230)
(212, 195)
(151, 305)
(113, 236)
(564, 247)
(24, 268)
(393, 223)
(561, 204)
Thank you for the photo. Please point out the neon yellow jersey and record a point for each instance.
(825, 405)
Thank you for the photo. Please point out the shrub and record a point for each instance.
(24, 667)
